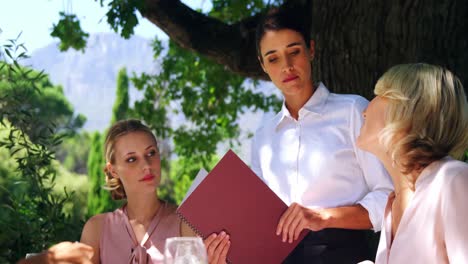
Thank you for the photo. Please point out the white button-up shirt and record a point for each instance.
(314, 161)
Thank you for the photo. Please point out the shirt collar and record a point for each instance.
(315, 104)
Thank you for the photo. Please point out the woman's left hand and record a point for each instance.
(297, 218)
(217, 247)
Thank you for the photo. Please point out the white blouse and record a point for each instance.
(314, 160)
(434, 226)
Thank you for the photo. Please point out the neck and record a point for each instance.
(295, 102)
(401, 182)
(143, 209)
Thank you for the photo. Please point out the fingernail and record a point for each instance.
(227, 237)
(223, 233)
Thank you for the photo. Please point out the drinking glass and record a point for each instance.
(185, 250)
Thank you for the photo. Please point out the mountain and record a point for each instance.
(89, 78)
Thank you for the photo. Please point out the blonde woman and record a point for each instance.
(136, 233)
(417, 126)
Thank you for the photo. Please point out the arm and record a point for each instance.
(62, 252)
(298, 217)
(91, 235)
(454, 215)
(254, 158)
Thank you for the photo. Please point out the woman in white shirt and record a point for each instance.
(418, 119)
(307, 153)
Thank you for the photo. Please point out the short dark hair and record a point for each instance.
(277, 19)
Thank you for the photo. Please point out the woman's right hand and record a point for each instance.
(217, 247)
(71, 252)
(63, 252)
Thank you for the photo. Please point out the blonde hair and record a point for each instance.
(120, 128)
(427, 115)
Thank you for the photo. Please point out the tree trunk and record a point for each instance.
(356, 41)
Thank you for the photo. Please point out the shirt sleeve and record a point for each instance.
(454, 215)
(375, 175)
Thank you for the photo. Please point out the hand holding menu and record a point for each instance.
(232, 198)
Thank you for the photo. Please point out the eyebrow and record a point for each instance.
(133, 152)
(288, 46)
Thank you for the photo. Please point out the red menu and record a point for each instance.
(232, 198)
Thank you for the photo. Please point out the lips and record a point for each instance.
(148, 177)
(290, 78)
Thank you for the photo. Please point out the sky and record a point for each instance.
(34, 19)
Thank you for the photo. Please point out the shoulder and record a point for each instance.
(451, 181)
(268, 124)
(348, 101)
(95, 223)
(92, 229)
(454, 172)
(169, 214)
(170, 208)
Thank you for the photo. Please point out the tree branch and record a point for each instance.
(230, 45)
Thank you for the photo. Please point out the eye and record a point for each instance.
(295, 52)
(151, 153)
(272, 60)
(130, 159)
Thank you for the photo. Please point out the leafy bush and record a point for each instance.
(33, 215)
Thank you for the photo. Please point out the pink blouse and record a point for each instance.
(118, 243)
(434, 226)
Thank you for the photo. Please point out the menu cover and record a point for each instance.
(232, 198)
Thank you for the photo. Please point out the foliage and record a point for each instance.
(121, 15)
(7, 169)
(120, 109)
(48, 103)
(207, 96)
(69, 30)
(33, 218)
(204, 94)
(175, 185)
(73, 152)
(76, 208)
(99, 200)
(234, 10)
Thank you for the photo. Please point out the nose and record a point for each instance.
(288, 66)
(146, 163)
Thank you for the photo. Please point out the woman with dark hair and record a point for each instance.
(307, 153)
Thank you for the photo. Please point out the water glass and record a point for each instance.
(185, 250)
